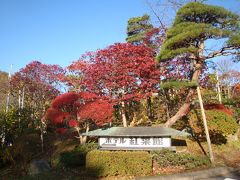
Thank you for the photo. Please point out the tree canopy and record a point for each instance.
(196, 22)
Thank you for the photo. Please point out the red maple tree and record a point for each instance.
(36, 85)
(73, 109)
(121, 72)
(100, 111)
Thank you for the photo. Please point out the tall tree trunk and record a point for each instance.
(198, 61)
(185, 108)
(22, 100)
(149, 107)
(84, 139)
(183, 111)
(167, 111)
(218, 89)
(19, 107)
(229, 91)
(43, 125)
(79, 135)
(123, 114)
(167, 103)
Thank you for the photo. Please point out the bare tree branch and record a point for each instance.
(154, 12)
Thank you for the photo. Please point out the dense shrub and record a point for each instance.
(218, 107)
(9, 122)
(76, 157)
(167, 158)
(112, 163)
(15, 124)
(72, 159)
(23, 149)
(219, 123)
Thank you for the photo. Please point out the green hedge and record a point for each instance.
(166, 158)
(112, 163)
(76, 157)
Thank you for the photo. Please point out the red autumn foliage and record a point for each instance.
(88, 96)
(74, 74)
(38, 80)
(65, 99)
(83, 106)
(121, 71)
(73, 123)
(219, 107)
(99, 111)
(56, 116)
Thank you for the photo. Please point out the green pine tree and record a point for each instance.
(194, 24)
(137, 28)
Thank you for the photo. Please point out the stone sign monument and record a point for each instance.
(135, 138)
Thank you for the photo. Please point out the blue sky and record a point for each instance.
(59, 31)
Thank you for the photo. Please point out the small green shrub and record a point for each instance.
(112, 163)
(85, 148)
(166, 158)
(76, 157)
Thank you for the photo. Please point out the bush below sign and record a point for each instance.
(112, 163)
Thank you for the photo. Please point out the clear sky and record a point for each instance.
(59, 31)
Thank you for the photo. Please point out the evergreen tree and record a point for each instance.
(141, 31)
(137, 29)
(194, 24)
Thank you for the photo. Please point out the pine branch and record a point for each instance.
(225, 51)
